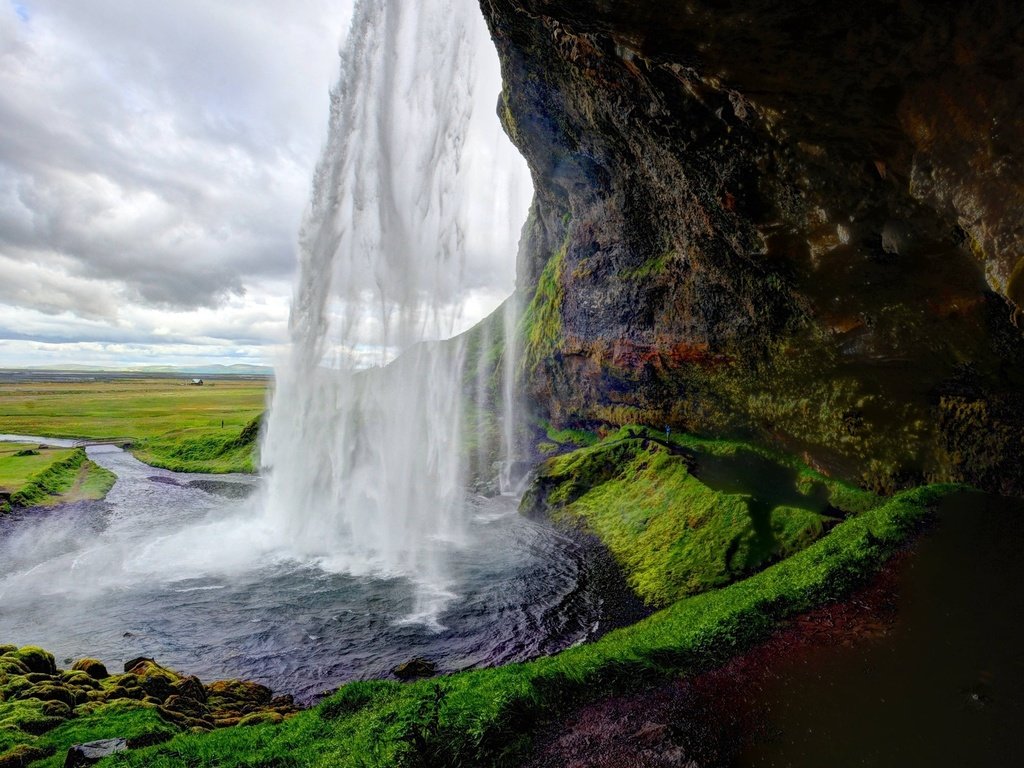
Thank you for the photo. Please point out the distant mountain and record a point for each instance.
(241, 369)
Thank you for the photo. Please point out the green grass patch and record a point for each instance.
(19, 462)
(48, 485)
(169, 423)
(483, 717)
(569, 438)
(683, 515)
(33, 476)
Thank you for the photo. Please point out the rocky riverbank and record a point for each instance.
(44, 710)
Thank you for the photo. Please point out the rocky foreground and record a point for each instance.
(44, 710)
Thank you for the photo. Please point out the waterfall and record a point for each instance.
(416, 188)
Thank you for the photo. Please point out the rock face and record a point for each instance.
(800, 222)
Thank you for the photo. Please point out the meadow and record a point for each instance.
(165, 422)
(32, 475)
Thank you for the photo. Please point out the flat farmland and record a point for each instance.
(169, 422)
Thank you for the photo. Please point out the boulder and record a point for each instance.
(93, 751)
(191, 687)
(414, 668)
(92, 667)
(35, 659)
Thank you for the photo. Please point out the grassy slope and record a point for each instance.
(483, 717)
(685, 515)
(171, 424)
(50, 476)
(15, 470)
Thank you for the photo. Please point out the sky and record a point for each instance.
(155, 163)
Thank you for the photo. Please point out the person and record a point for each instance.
(668, 430)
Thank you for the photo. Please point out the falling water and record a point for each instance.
(415, 190)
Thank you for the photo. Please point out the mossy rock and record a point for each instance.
(35, 659)
(238, 692)
(79, 680)
(134, 693)
(262, 718)
(23, 755)
(191, 687)
(39, 677)
(92, 667)
(55, 708)
(9, 665)
(189, 707)
(49, 692)
(14, 686)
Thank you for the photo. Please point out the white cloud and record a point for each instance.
(155, 161)
(154, 164)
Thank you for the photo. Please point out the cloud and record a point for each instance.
(155, 162)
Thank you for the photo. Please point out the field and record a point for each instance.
(32, 476)
(167, 422)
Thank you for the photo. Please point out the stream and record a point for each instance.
(179, 567)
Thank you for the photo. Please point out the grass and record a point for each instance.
(483, 717)
(168, 423)
(32, 476)
(683, 515)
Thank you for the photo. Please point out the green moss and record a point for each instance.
(653, 266)
(576, 438)
(541, 325)
(685, 515)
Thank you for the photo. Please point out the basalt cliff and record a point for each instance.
(801, 223)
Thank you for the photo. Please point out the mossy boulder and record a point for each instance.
(262, 718)
(683, 515)
(92, 667)
(238, 693)
(35, 659)
(23, 755)
(191, 687)
(49, 692)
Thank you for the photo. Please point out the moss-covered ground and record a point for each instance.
(33, 476)
(168, 423)
(683, 515)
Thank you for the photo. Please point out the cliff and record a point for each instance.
(801, 223)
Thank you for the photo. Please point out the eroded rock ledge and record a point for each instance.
(799, 221)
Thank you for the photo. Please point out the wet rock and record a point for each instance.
(414, 668)
(92, 667)
(94, 751)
